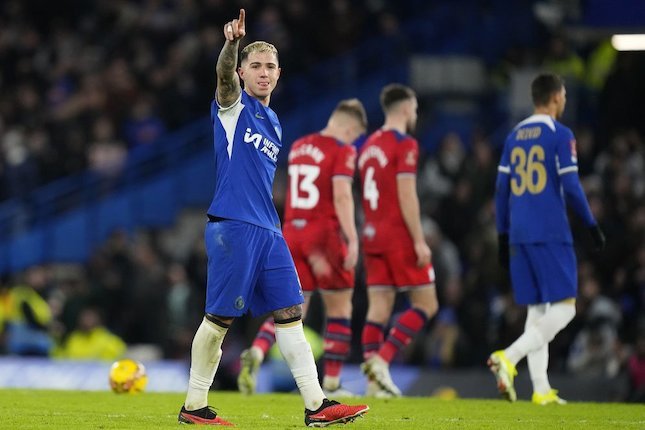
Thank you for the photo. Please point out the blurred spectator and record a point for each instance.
(445, 255)
(106, 154)
(146, 292)
(438, 175)
(593, 353)
(622, 99)
(181, 319)
(586, 149)
(90, 340)
(345, 31)
(480, 169)
(4, 313)
(560, 58)
(594, 349)
(28, 316)
(143, 127)
(21, 170)
(563, 60)
(441, 344)
(601, 61)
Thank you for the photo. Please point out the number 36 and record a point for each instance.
(530, 170)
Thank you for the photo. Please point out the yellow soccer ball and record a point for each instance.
(128, 376)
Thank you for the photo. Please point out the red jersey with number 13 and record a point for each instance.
(314, 160)
(386, 155)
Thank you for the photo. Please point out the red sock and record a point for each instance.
(402, 333)
(266, 336)
(338, 338)
(372, 338)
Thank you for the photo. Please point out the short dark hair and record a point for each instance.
(353, 108)
(394, 93)
(544, 86)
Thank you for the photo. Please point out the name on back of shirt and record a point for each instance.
(310, 150)
(528, 133)
(372, 152)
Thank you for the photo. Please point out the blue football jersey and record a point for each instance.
(536, 154)
(247, 139)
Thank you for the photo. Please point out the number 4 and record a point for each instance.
(370, 190)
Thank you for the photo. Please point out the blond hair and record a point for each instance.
(258, 46)
(354, 109)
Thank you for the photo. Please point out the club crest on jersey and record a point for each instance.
(263, 144)
(369, 231)
(411, 158)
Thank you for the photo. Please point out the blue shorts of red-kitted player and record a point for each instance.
(249, 268)
(543, 272)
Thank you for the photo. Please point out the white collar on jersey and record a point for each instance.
(540, 117)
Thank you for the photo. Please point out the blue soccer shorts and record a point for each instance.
(543, 272)
(249, 268)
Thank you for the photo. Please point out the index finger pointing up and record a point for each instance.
(241, 18)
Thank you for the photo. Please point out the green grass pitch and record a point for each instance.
(43, 409)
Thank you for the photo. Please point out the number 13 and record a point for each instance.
(307, 186)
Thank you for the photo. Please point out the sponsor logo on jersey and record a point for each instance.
(263, 144)
(258, 115)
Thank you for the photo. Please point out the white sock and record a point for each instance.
(556, 317)
(297, 353)
(538, 360)
(205, 355)
(331, 383)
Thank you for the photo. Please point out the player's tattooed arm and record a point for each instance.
(228, 82)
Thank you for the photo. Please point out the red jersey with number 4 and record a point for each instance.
(314, 160)
(386, 155)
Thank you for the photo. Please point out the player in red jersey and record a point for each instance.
(397, 257)
(320, 231)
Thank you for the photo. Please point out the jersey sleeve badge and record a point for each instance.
(411, 158)
(574, 152)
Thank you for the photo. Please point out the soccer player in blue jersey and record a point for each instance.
(249, 264)
(537, 179)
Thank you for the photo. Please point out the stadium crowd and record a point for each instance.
(83, 82)
(79, 90)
